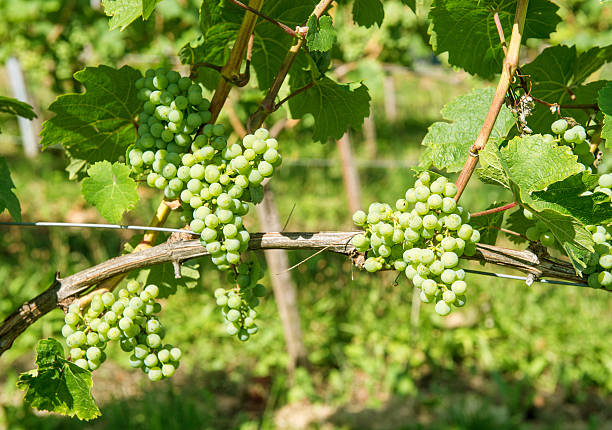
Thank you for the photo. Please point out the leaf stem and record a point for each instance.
(282, 26)
(293, 94)
(509, 67)
(494, 210)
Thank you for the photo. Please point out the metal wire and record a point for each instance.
(172, 230)
(523, 278)
(106, 226)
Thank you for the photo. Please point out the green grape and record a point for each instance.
(559, 126)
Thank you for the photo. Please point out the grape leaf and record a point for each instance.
(110, 189)
(334, 106)
(488, 225)
(517, 223)
(163, 276)
(448, 143)
(410, 3)
(8, 199)
(98, 124)
(368, 12)
(58, 385)
(528, 165)
(606, 131)
(271, 44)
(219, 22)
(605, 99)
(124, 12)
(15, 107)
(321, 33)
(568, 197)
(467, 31)
(557, 75)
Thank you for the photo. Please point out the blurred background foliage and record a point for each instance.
(516, 357)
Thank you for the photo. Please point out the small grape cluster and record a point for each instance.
(424, 237)
(238, 304)
(575, 138)
(539, 231)
(600, 272)
(130, 319)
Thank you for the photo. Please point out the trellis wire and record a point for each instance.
(173, 230)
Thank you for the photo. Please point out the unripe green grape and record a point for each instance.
(196, 225)
(453, 222)
(547, 239)
(442, 308)
(459, 287)
(194, 185)
(449, 259)
(429, 287)
(605, 278)
(449, 297)
(570, 135)
(605, 180)
(450, 190)
(430, 221)
(372, 265)
(559, 126)
(448, 276)
(465, 232)
(605, 261)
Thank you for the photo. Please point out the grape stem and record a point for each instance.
(64, 290)
(282, 26)
(293, 94)
(508, 70)
(494, 210)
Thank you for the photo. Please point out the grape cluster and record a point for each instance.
(424, 237)
(539, 231)
(219, 190)
(130, 319)
(238, 304)
(575, 138)
(600, 271)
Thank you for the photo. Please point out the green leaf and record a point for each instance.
(58, 385)
(605, 99)
(98, 124)
(124, 12)
(110, 189)
(517, 223)
(488, 225)
(368, 12)
(448, 143)
(557, 75)
(606, 131)
(321, 33)
(15, 107)
(528, 165)
(163, 276)
(568, 197)
(334, 106)
(8, 199)
(411, 4)
(467, 31)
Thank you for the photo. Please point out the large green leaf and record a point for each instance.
(335, 106)
(466, 30)
(368, 12)
(15, 107)
(8, 199)
(58, 385)
(124, 12)
(110, 189)
(557, 75)
(448, 143)
(100, 123)
(533, 169)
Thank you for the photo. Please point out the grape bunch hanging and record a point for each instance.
(424, 236)
(191, 160)
(129, 318)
